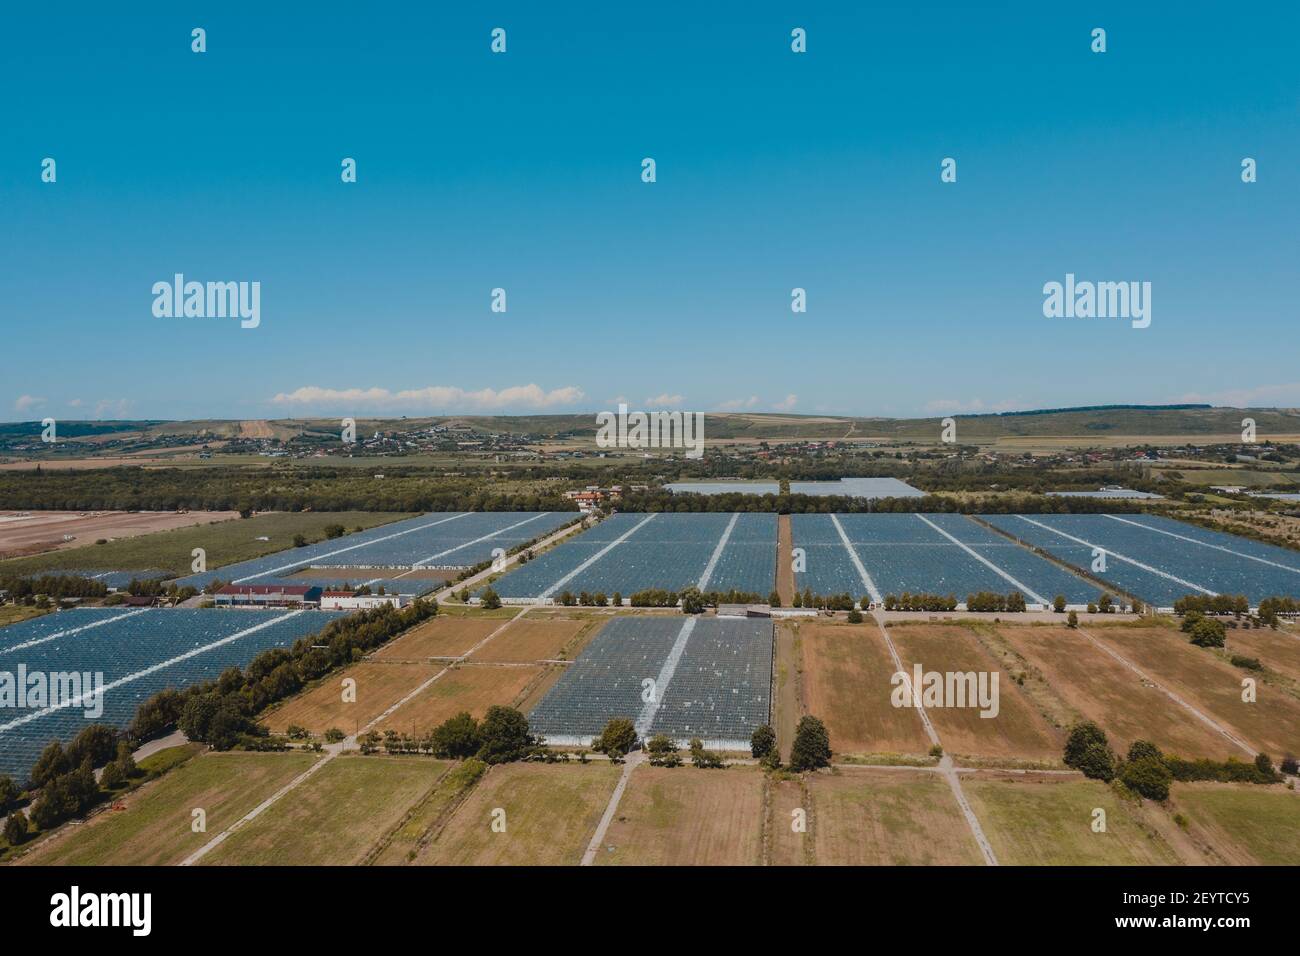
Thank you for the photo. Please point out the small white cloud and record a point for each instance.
(786, 404)
(975, 406)
(739, 404)
(26, 403)
(432, 398)
(1285, 395)
(665, 399)
(75, 403)
(113, 408)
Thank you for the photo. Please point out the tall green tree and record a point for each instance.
(811, 749)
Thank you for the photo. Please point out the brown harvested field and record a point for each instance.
(1018, 730)
(379, 686)
(1271, 723)
(783, 844)
(1101, 689)
(33, 532)
(866, 817)
(550, 813)
(1277, 650)
(442, 636)
(1037, 820)
(539, 639)
(684, 816)
(470, 688)
(846, 671)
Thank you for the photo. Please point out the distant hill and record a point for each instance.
(1098, 421)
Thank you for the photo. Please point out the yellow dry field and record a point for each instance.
(535, 639)
(684, 816)
(872, 817)
(442, 636)
(467, 687)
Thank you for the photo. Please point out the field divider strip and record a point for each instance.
(351, 547)
(1028, 591)
(145, 672)
(946, 766)
(1202, 717)
(596, 557)
(872, 590)
(1116, 554)
(108, 619)
(1204, 544)
(632, 761)
(717, 552)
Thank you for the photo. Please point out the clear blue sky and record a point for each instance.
(522, 171)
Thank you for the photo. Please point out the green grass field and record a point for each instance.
(1048, 822)
(402, 843)
(13, 613)
(155, 829)
(335, 816)
(888, 818)
(1247, 824)
(550, 812)
(225, 542)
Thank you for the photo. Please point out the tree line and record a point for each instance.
(233, 489)
(660, 500)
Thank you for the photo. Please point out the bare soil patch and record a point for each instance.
(33, 532)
